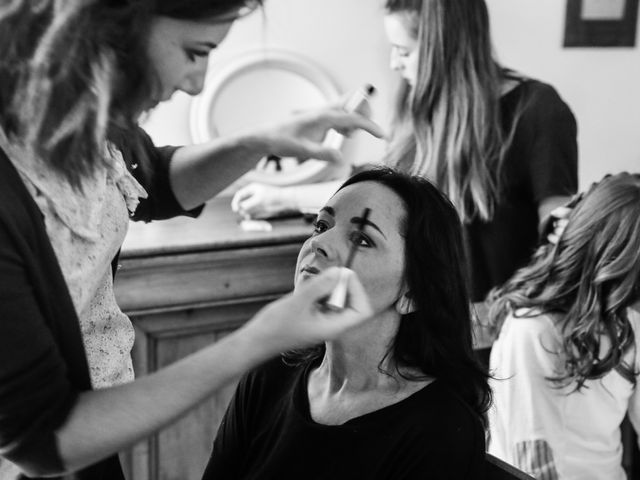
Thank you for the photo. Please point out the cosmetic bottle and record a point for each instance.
(355, 103)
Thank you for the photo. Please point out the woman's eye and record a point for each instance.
(193, 54)
(402, 52)
(361, 240)
(320, 226)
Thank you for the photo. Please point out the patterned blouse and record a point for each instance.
(86, 228)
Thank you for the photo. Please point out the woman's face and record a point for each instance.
(179, 53)
(404, 46)
(379, 261)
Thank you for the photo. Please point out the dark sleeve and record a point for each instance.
(227, 455)
(161, 203)
(35, 393)
(553, 163)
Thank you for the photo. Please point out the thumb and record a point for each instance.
(319, 286)
(560, 212)
(320, 152)
(241, 195)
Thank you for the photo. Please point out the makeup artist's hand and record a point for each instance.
(302, 134)
(298, 320)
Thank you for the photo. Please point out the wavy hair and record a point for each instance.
(588, 279)
(436, 339)
(448, 126)
(75, 73)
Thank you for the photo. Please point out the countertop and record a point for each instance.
(217, 229)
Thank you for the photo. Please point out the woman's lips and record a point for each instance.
(308, 270)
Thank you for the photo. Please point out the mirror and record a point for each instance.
(261, 87)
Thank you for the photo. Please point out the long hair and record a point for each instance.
(436, 339)
(75, 74)
(448, 126)
(588, 279)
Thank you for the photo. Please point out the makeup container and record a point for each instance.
(355, 103)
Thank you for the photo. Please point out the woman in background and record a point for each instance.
(401, 397)
(566, 362)
(73, 166)
(501, 146)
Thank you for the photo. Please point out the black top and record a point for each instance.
(541, 162)
(268, 433)
(43, 365)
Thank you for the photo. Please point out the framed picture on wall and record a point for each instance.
(601, 23)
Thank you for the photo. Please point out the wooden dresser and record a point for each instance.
(185, 283)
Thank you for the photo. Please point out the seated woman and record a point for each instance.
(401, 397)
(566, 362)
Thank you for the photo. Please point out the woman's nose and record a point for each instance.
(395, 63)
(193, 82)
(323, 247)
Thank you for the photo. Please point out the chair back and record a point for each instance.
(500, 470)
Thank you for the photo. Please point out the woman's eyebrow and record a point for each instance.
(358, 221)
(328, 210)
(355, 220)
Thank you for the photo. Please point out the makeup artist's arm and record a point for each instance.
(106, 421)
(199, 172)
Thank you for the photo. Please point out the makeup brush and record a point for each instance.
(338, 297)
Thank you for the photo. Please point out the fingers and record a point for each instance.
(560, 212)
(298, 319)
(358, 300)
(253, 206)
(305, 150)
(558, 228)
(345, 121)
(320, 152)
(247, 200)
(320, 286)
(240, 196)
(356, 312)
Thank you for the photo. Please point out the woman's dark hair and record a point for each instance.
(436, 339)
(587, 280)
(76, 74)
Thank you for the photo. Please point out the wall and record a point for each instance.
(602, 86)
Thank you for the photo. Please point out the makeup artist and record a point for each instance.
(74, 166)
(400, 397)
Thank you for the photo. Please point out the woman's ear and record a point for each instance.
(405, 305)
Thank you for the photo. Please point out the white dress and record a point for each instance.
(557, 433)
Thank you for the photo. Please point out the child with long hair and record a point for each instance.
(566, 361)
